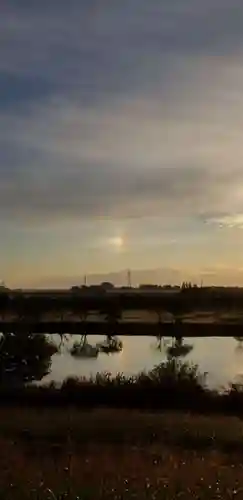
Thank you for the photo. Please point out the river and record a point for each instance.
(221, 358)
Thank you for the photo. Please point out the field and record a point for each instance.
(108, 454)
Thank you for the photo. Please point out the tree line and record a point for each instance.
(188, 300)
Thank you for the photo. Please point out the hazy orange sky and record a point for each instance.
(121, 140)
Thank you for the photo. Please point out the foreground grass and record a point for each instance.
(108, 454)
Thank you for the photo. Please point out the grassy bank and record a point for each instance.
(110, 454)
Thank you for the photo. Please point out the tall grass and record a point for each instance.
(170, 385)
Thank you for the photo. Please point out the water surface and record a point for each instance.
(222, 358)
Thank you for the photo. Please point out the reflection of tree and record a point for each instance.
(179, 348)
(83, 349)
(160, 344)
(239, 339)
(24, 358)
(111, 345)
(239, 346)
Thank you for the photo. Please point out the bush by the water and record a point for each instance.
(170, 385)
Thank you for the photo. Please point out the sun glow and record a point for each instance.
(117, 242)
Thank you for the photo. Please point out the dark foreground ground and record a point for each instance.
(110, 454)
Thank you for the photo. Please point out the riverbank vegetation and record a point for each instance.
(24, 358)
(172, 385)
(36, 305)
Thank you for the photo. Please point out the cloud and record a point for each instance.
(230, 221)
(117, 161)
(121, 111)
(102, 50)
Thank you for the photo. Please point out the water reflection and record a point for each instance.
(179, 349)
(82, 349)
(239, 345)
(160, 344)
(111, 345)
(176, 348)
(219, 357)
(238, 339)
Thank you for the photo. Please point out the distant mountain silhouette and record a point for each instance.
(119, 278)
(173, 276)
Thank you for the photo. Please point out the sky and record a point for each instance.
(121, 140)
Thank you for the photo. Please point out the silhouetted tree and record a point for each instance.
(4, 304)
(112, 313)
(24, 358)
